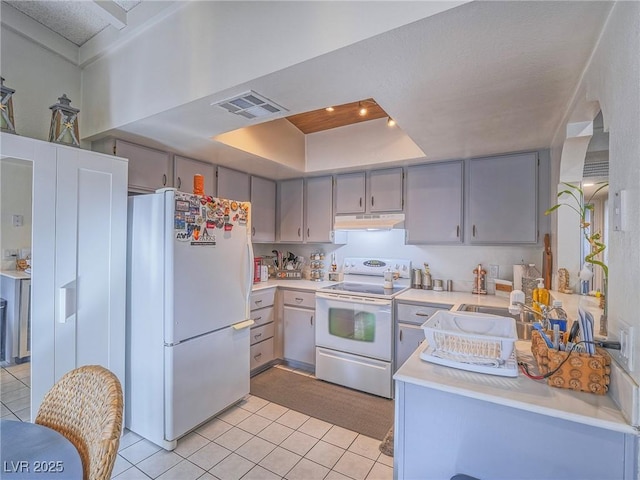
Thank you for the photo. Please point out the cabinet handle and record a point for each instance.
(257, 319)
(308, 232)
(458, 231)
(257, 356)
(474, 230)
(311, 320)
(253, 231)
(258, 335)
(164, 180)
(360, 201)
(299, 300)
(400, 335)
(298, 231)
(179, 182)
(372, 200)
(422, 314)
(258, 301)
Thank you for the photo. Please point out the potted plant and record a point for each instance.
(582, 208)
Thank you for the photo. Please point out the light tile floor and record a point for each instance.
(253, 440)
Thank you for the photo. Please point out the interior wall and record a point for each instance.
(16, 179)
(39, 77)
(446, 262)
(612, 78)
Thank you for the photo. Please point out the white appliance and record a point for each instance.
(354, 325)
(189, 277)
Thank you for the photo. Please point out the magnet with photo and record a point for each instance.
(182, 205)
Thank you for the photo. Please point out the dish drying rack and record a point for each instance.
(472, 341)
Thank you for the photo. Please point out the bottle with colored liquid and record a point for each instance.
(540, 296)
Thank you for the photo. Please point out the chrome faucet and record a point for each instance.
(518, 307)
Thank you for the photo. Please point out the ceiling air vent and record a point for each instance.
(596, 169)
(250, 105)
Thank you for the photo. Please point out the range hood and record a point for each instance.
(368, 221)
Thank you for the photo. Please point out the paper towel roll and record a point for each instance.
(518, 272)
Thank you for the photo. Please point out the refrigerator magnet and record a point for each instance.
(228, 227)
(182, 206)
(179, 223)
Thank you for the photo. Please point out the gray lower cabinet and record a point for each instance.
(263, 330)
(434, 203)
(503, 199)
(299, 327)
(408, 329)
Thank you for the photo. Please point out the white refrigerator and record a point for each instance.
(189, 263)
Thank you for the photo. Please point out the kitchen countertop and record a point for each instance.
(15, 274)
(310, 285)
(519, 392)
(451, 298)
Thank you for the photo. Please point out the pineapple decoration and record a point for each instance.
(64, 123)
(6, 108)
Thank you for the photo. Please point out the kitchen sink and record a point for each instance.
(524, 320)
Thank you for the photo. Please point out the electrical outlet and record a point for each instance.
(625, 355)
(494, 271)
(9, 254)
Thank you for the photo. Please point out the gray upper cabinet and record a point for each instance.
(290, 210)
(350, 193)
(385, 190)
(185, 168)
(383, 194)
(149, 169)
(503, 200)
(233, 184)
(318, 209)
(263, 210)
(434, 203)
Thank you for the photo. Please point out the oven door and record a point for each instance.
(359, 325)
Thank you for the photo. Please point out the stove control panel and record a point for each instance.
(376, 266)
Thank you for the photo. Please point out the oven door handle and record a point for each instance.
(353, 299)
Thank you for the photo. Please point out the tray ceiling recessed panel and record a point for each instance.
(341, 116)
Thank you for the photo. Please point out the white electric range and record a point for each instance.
(354, 325)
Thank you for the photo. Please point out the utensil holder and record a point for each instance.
(581, 372)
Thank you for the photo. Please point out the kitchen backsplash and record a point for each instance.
(447, 262)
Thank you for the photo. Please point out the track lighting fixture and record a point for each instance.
(391, 122)
(362, 110)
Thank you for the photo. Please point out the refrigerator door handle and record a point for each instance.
(249, 273)
(243, 325)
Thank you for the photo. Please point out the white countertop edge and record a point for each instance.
(618, 426)
(15, 274)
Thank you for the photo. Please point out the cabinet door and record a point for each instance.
(318, 209)
(386, 190)
(185, 169)
(290, 211)
(350, 191)
(263, 210)
(90, 261)
(299, 335)
(233, 184)
(434, 203)
(149, 169)
(503, 200)
(408, 338)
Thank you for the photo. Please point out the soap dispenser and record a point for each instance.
(540, 296)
